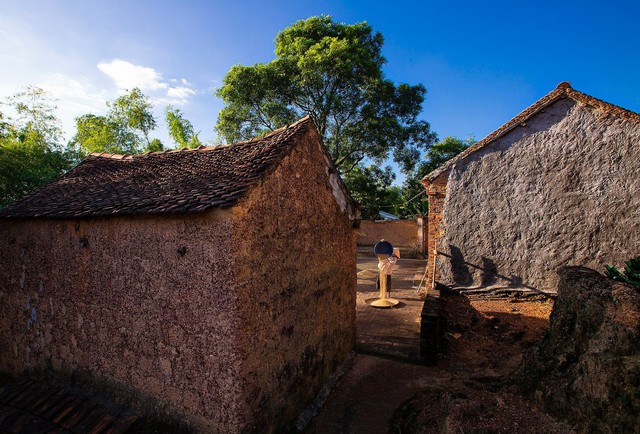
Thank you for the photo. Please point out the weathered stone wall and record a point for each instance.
(587, 369)
(560, 190)
(115, 298)
(400, 233)
(295, 250)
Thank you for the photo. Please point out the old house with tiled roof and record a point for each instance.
(555, 186)
(217, 283)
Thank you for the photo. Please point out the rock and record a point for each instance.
(587, 369)
(466, 410)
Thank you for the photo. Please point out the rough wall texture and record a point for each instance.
(587, 369)
(401, 233)
(295, 249)
(114, 297)
(560, 190)
(436, 193)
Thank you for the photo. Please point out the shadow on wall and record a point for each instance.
(462, 275)
(459, 267)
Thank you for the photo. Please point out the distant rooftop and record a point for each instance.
(388, 216)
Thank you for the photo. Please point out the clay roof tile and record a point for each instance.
(188, 180)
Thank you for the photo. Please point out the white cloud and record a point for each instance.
(161, 90)
(180, 92)
(127, 75)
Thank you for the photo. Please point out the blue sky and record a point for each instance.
(482, 62)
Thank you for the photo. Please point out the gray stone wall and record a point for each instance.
(295, 256)
(146, 305)
(560, 190)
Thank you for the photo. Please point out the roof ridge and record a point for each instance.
(274, 132)
(267, 136)
(562, 90)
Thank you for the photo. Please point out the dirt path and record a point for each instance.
(466, 392)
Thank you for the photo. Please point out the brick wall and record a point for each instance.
(436, 191)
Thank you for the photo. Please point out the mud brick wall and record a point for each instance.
(295, 255)
(560, 190)
(401, 233)
(147, 303)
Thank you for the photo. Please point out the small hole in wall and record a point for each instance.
(83, 241)
(182, 250)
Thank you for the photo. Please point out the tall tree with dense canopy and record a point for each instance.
(31, 153)
(333, 73)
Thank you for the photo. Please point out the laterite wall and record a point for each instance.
(401, 233)
(114, 301)
(294, 245)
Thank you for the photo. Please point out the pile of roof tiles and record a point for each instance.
(27, 407)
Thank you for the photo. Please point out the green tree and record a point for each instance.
(123, 130)
(435, 157)
(100, 134)
(155, 146)
(372, 188)
(134, 110)
(31, 153)
(180, 129)
(333, 73)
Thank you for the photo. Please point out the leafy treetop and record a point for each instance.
(180, 129)
(31, 153)
(123, 130)
(437, 155)
(333, 73)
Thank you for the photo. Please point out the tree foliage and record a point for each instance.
(435, 157)
(135, 111)
(372, 188)
(123, 130)
(31, 153)
(180, 129)
(333, 73)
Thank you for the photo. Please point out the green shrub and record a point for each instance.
(630, 275)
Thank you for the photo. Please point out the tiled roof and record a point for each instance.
(563, 90)
(168, 182)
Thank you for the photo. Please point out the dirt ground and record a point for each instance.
(469, 389)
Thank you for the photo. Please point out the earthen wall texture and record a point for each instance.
(400, 233)
(295, 249)
(436, 193)
(148, 303)
(560, 190)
